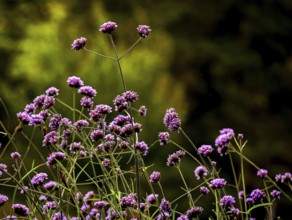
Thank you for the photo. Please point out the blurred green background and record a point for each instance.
(219, 63)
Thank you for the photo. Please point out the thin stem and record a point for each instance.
(137, 173)
(136, 42)
(98, 54)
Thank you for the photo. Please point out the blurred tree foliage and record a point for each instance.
(220, 64)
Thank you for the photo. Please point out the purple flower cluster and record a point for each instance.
(39, 179)
(286, 177)
(154, 177)
(256, 195)
(3, 199)
(171, 120)
(51, 185)
(223, 140)
(128, 201)
(194, 212)
(75, 82)
(20, 209)
(227, 201)
(108, 27)
(175, 158)
(51, 138)
(152, 198)
(52, 159)
(276, 194)
(87, 91)
(143, 30)
(163, 138)
(99, 111)
(3, 168)
(200, 171)
(142, 111)
(165, 209)
(217, 183)
(204, 190)
(121, 102)
(205, 150)
(262, 173)
(142, 147)
(79, 43)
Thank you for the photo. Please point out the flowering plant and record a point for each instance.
(93, 165)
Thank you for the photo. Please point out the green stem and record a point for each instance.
(137, 41)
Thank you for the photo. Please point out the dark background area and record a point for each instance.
(220, 64)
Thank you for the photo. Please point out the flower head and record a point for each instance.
(15, 155)
(108, 27)
(154, 177)
(39, 179)
(75, 82)
(171, 119)
(262, 173)
(143, 30)
(87, 91)
(205, 150)
(3, 199)
(128, 201)
(163, 138)
(200, 171)
(227, 201)
(276, 194)
(194, 212)
(204, 190)
(218, 183)
(20, 209)
(152, 198)
(52, 159)
(79, 43)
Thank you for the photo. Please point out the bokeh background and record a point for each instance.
(218, 63)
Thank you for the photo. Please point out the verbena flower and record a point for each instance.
(276, 194)
(163, 138)
(24, 117)
(182, 217)
(205, 150)
(80, 124)
(96, 135)
(286, 177)
(75, 82)
(108, 27)
(35, 119)
(52, 159)
(262, 173)
(55, 122)
(241, 194)
(52, 91)
(87, 91)
(51, 185)
(106, 162)
(204, 190)
(234, 211)
(175, 158)
(222, 141)
(75, 146)
(51, 138)
(79, 43)
(171, 120)
(165, 208)
(218, 183)
(256, 195)
(50, 205)
(42, 198)
(39, 179)
(128, 201)
(152, 198)
(88, 197)
(227, 201)
(20, 209)
(143, 30)
(59, 216)
(15, 155)
(142, 111)
(142, 147)
(154, 177)
(86, 102)
(120, 103)
(194, 212)
(3, 199)
(101, 204)
(200, 171)
(3, 168)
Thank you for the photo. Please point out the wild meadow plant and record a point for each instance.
(93, 165)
